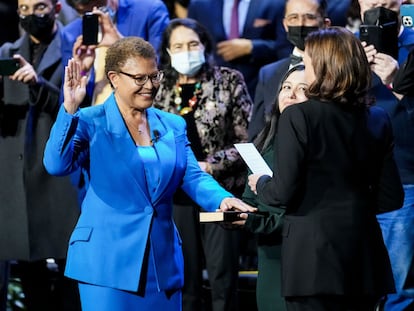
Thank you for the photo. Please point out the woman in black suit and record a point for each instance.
(336, 171)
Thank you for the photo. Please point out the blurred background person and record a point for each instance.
(403, 82)
(337, 11)
(117, 18)
(397, 226)
(125, 250)
(216, 105)
(9, 19)
(335, 172)
(38, 211)
(268, 230)
(67, 13)
(247, 34)
(177, 8)
(354, 17)
(301, 17)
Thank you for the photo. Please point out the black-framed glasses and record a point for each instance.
(142, 79)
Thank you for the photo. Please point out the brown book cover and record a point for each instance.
(228, 216)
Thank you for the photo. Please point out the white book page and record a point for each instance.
(253, 159)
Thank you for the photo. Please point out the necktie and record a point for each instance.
(234, 20)
(295, 60)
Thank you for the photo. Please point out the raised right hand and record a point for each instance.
(74, 86)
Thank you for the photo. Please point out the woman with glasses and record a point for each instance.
(215, 103)
(125, 251)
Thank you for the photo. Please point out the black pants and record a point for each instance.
(221, 254)
(4, 277)
(332, 302)
(46, 288)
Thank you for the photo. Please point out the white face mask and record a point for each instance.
(188, 63)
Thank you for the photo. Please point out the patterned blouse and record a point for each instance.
(221, 117)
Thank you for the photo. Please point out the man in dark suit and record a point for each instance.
(301, 17)
(37, 211)
(261, 38)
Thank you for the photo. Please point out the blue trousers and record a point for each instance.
(101, 298)
(398, 232)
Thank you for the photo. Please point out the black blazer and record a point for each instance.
(404, 79)
(336, 171)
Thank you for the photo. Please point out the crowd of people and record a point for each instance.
(110, 151)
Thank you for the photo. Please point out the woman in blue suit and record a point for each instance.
(125, 250)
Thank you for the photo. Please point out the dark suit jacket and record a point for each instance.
(404, 79)
(267, 90)
(263, 26)
(335, 171)
(37, 211)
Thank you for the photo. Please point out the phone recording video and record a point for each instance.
(380, 29)
(90, 28)
(8, 66)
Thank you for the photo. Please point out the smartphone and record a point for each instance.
(90, 28)
(407, 15)
(8, 66)
(383, 37)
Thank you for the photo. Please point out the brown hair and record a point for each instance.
(342, 72)
(126, 48)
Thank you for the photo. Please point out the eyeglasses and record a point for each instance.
(142, 79)
(301, 18)
(40, 10)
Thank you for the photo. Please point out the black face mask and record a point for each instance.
(40, 27)
(297, 34)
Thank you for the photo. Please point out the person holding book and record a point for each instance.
(215, 103)
(335, 172)
(268, 227)
(125, 251)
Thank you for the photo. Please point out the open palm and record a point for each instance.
(74, 88)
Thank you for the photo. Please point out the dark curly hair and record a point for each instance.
(126, 48)
(171, 75)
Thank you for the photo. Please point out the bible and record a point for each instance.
(227, 216)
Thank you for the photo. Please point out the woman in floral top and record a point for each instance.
(216, 105)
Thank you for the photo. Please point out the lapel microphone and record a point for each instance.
(156, 134)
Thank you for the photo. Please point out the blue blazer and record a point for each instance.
(144, 18)
(119, 214)
(263, 26)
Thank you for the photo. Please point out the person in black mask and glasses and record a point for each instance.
(37, 211)
(301, 17)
